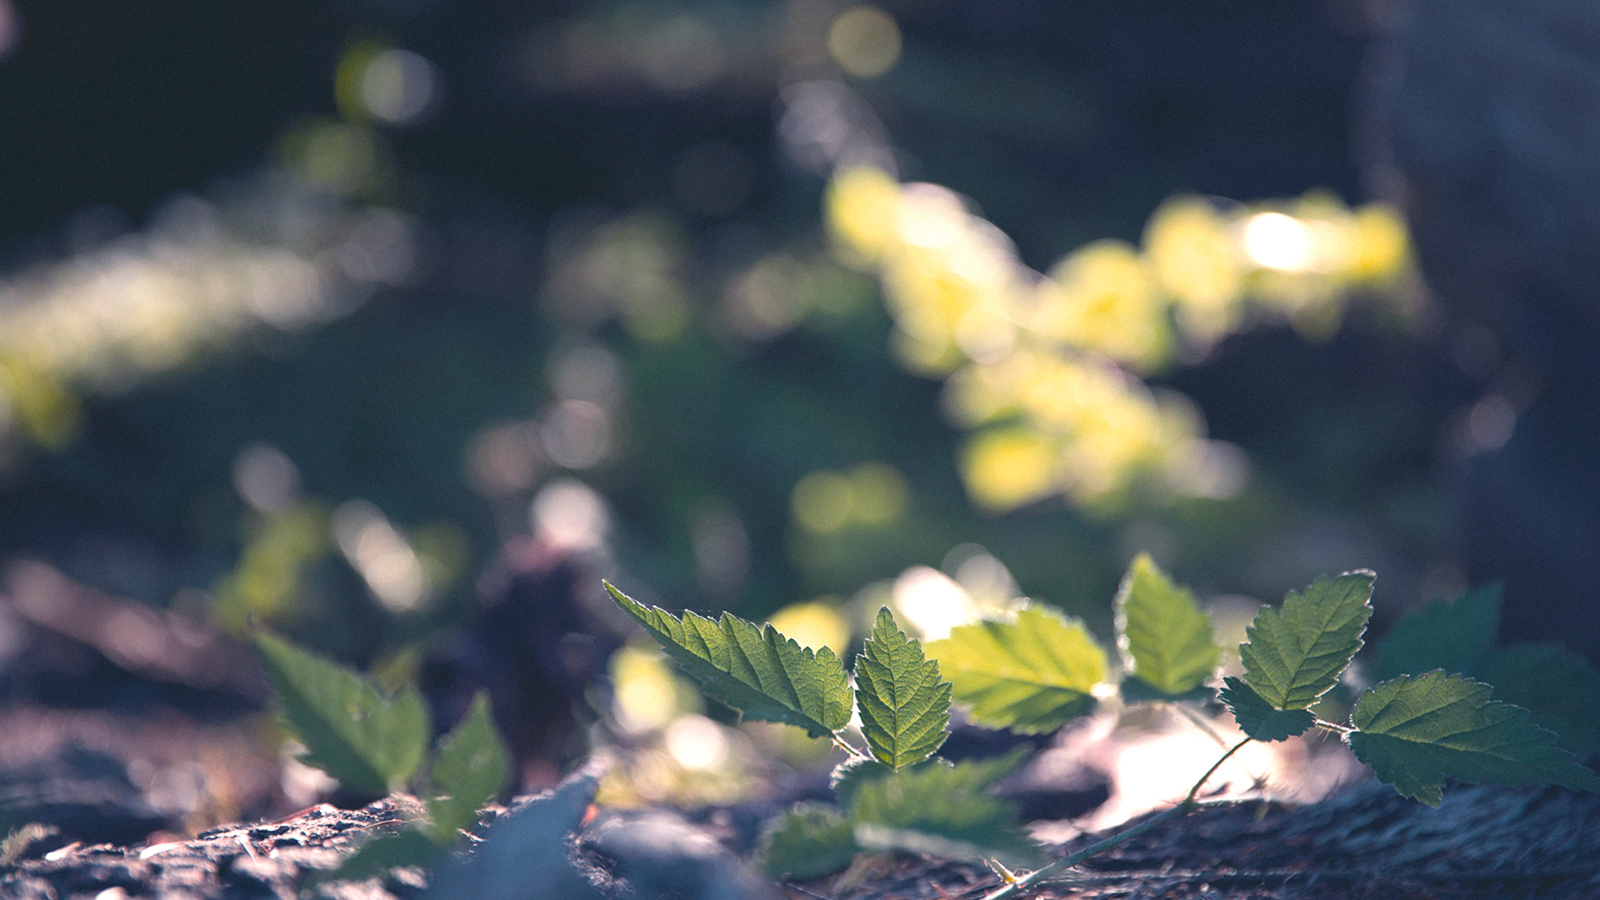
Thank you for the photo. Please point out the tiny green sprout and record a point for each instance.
(376, 744)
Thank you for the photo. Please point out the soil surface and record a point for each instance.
(1368, 842)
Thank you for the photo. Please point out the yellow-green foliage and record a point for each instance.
(1047, 368)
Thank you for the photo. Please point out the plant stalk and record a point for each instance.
(1189, 804)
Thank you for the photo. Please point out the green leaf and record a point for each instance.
(1164, 637)
(945, 801)
(1295, 656)
(1260, 719)
(526, 853)
(1031, 676)
(757, 671)
(1442, 635)
(1417, 730)
(905, 705)
(373, 744)
(1559, 688)
(807, 842)
(471, 767)
(852, 773)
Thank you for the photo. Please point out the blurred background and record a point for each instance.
(394, 325)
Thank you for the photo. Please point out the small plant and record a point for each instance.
(1038, 670)
(376, 744)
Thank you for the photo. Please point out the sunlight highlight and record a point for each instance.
(1047, 368)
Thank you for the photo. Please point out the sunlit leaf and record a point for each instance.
(757, 671)
(373, 744)
(1164, 637)
(1260, 719)
(1416, 731)
(471, 767)
(807, 842)
(1442, 635)
(1294, 656)
(1031, 676)
(905, 705)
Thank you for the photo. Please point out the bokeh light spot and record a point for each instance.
(816, 624)
(864, 41)
(381, 555)
(822, 501)
(400, 87)
(570, 515)
(931, 603)
(1275, 241)
(266, 478)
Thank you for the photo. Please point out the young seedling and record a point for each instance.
(1038, 670)
(376, 744)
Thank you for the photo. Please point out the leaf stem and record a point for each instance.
(854, 751)
(1189, 803)
(1189, 800)
(1039, 875)
(1334, 726)
(1199, 722)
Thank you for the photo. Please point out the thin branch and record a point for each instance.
(1041, 875)
(1194, 791)
(1199, 722)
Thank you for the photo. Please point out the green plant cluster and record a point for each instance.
(1035, 670)
(1031, 670)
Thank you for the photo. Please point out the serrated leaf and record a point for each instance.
(1417, 730)
(757, 671)
(904, 704)
(1559, 688)
(471, 767)
(948, 802)
(1292, 657)
(1442, 635)
(809, 841)
(1260, 719)
(1032, 675)
(373, 744)
(1164, 637)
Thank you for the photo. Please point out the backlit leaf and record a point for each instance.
(1442, 635)
(1164, 637)
(807, 842)
(373, 744)
(757, 671)
(471, 767)
(905, 705)
(1292, 657)
(1032, 675)
(1417, 730)
(1260, 719)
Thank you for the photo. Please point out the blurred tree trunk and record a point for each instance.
(1484, 124)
